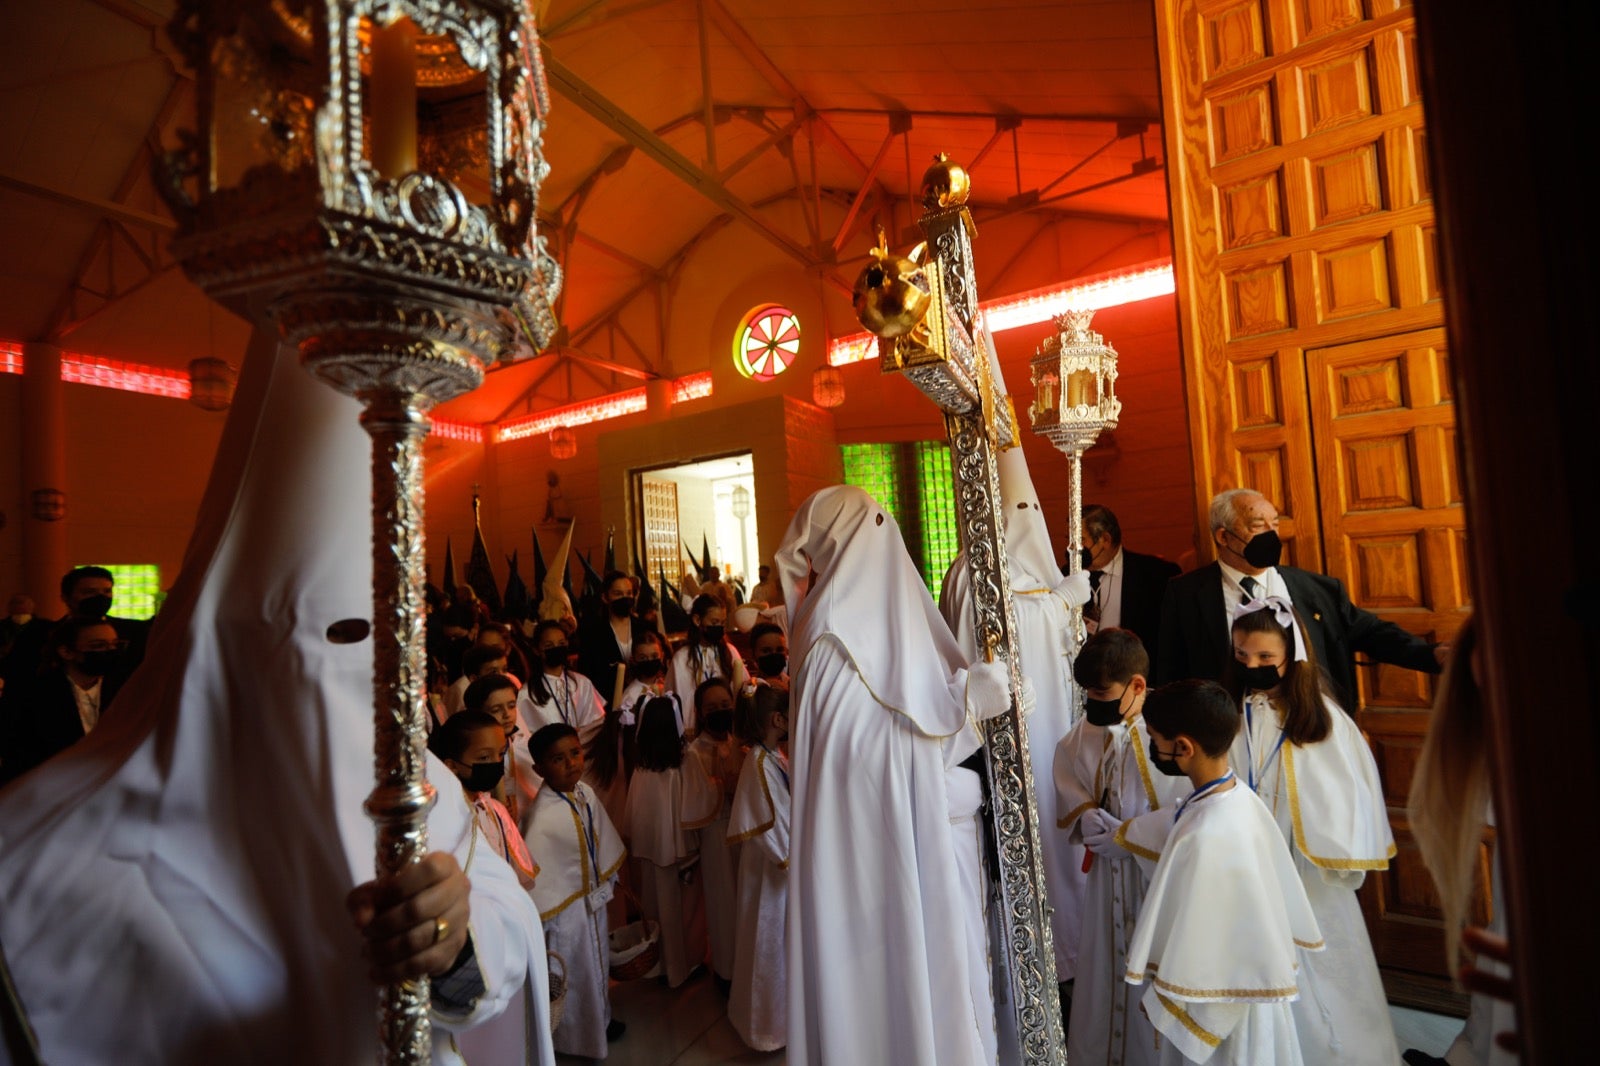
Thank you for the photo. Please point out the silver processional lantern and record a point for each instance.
(1075, 397)
(365, 176)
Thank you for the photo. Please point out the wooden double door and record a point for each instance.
(1314, 352)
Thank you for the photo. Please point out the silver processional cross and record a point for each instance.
(925, 315)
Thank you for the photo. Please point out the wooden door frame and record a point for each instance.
(1516, 224)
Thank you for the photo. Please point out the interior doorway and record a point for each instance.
(703, 506)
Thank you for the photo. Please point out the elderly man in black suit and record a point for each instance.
(1195, 638)
(1126, 586)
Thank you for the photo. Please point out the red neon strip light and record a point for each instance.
(449, 429)
(129, 377)
(1040, 305)
(160, 381)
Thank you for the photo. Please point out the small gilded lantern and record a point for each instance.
(563, 443)
(827, 387)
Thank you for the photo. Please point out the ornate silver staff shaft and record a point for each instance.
(402, 797)
(926, 319)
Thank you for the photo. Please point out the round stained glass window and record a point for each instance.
(767, 342)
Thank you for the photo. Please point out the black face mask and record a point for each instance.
(712, 634)
(94, 607)
(648, 669)
(556, 656)
(483, 776)
(772, 664)
(1087, 555)
(1103, 712)
(622, 606)
(100, 663)
(719, 721)
(1264, 549)
(1259, 678)
(1167, 764)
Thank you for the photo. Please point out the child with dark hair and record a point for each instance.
(706, 654)
(558, 693)
(669, 800)
(721, 756)
(496, 695)
(769, 648)
(759, 824)
(582, 856)
(1225, 920)
(1311, 766)
(1102, 779)
(473, 746)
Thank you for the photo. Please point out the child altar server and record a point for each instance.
(759, 825)
(558, 694)
(1225, 921)
(721, 756)
(705, 654)
(473, 745)
(1310, 765)
(1102, 778)
(581, 856)
(669, 800)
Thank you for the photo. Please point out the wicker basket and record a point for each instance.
(635, 950)
(558, 991)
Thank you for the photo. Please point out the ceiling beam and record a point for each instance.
(867, 185)
(91, 204)
(590, 101)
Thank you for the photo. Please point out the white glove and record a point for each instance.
(1074, 589)
(1099, 830)
(988, 690)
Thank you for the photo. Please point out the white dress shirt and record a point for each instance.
(88, 703)
(1268, 583)
(1109, 594)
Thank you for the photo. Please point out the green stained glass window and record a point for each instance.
(138, 592)
(912, 480)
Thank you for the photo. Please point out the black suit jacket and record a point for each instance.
(599, 653)
(40, 719)
(1144, 586)
(1195, 640)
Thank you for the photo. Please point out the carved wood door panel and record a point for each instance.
(1311, 314)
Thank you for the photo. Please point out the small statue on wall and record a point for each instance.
(555, 505)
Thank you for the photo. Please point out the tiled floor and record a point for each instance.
(688, 1026)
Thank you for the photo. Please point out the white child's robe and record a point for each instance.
(573, 700)
(759, 824)
(580, 854)
(721, 761)
(1108, 767)
(666, 809)
(1328, 802)
(1224, 924)
(692, 665)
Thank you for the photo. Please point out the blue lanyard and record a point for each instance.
(1249, 731)
(779, 763)
(1201, 791)
(564, 708)
(589, 836)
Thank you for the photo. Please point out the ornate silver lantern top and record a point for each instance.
(1075, 384)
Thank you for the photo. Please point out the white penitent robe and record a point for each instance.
(580, 855)
(758, 1004)
(573, 700)
(1042, 601)
(692, 665)
(666, 811)
(1219, 938)
(174, 884)
(1328, 802)
(1107, 767)
(877, 968)
(721, 761)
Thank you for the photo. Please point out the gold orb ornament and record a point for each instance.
(945, 183)
(891, 294)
